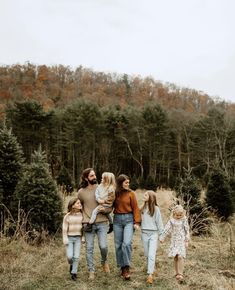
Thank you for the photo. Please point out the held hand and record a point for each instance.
(162, 241)
(186, 244)
(136, 227)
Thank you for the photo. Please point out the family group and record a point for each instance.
(89, 216)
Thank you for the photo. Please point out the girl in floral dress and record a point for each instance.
(178, 228)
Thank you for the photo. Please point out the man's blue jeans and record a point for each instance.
(99, 229)
(123, 228)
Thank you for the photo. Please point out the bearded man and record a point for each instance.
(99, 228)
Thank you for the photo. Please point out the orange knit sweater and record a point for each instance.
(126, 202)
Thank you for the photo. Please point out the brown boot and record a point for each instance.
(150, 279)
(127, 275)
(123, 270)
(106, 267)
(91, 276)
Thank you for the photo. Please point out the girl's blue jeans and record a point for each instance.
(73, 252)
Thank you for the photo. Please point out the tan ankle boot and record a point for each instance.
(106, 268)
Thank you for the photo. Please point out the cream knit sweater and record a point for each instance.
(72, 226)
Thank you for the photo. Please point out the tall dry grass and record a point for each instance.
(210, 263)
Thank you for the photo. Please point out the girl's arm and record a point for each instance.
(97, 196)
(65, 230)
(167, 230)
(158, 220)
(186, 228)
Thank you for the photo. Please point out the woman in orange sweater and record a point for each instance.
(127, 217)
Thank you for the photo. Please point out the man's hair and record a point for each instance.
(84, 176)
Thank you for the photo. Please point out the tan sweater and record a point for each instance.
(89, 203)
(72, 226)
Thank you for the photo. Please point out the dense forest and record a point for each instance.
(119, 123)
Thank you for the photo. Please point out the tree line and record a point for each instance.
(144, 142)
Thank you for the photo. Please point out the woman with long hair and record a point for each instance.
(126, 219)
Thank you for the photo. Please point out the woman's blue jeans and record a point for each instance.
(123, 228)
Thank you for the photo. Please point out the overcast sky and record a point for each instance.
(187, 42)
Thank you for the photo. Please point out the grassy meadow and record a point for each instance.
(210, 263)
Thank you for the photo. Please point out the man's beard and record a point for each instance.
(93, 181)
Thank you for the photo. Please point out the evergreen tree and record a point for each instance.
(150, 184)
(134, 183)
(64, 179)
(219, 194)
(188, 189)
(232, 185)
(38, 195)
(142, 182)
(11, 163)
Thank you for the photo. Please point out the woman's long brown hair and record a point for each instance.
(120, 179)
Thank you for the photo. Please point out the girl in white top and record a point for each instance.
(72, 234)
(178, 228)
(105, 196)
(151, 228)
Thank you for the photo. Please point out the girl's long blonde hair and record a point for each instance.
(151, 203)
(108, 180)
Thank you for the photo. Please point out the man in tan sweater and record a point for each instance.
(86, 194)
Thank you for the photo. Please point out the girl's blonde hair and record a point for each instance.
(152, 202)
(71, 203)
(108, 180)
(178, 209)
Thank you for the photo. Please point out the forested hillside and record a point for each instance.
(57, 86)
(118, 123)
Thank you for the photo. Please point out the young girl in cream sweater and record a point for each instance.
(72, 234)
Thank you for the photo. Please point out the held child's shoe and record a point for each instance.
(110, 229)
(87, 228)
(149, 279)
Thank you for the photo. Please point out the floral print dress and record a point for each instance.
(179, 230)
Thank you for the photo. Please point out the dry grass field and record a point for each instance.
(210, 263)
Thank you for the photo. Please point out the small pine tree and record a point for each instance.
(11, 163)
(219, 194)
(38, 196)
(134, 183)
(189, 191)
(150, 184)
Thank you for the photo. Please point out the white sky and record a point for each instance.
(187, 42)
